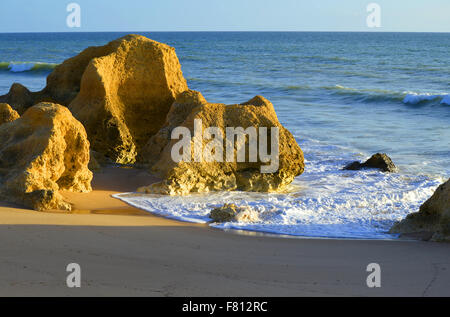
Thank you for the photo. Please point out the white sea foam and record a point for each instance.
(323, 202)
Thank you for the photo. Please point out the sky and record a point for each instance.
(225, 15)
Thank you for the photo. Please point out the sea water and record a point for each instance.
(344, 96)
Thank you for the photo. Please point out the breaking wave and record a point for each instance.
(379, 95)
(415, 98)
(19, 67)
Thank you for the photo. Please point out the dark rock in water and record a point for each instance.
(354, 166)
(433, 217)
(223, 214)
(382, 162)
(379, 160)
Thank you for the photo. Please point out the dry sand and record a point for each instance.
(126, 251)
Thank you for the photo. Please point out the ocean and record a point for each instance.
(344, 96)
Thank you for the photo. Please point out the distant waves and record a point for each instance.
(19, 67)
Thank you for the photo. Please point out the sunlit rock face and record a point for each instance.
(125, 96)
(42, 152)
(184, 177)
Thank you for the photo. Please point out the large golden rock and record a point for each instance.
(125, 96)
(42, 152)
(7, 114)
(206, 174)
(433, 216)
(121, 92)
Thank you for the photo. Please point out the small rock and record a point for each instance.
(224, 214)
(230, 212)
(380, 161)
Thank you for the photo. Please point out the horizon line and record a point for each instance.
(221, 31)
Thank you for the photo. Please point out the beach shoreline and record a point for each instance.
(125, 251)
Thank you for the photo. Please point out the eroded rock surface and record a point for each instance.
(42, 152)
(433, 216)
(184, 177)
(125, 96)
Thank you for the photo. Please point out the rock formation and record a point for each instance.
(19, 98)
(7, 114)
(125, 96)
(433, 216)
(184, 177)
(379, 160)
(121, 92)
(231, 212)
(42, 152)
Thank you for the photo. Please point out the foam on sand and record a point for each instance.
(325, 201)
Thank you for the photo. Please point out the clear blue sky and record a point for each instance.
(225, 15)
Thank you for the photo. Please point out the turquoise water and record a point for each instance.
(344, 96)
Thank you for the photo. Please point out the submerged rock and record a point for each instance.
(231, 212)
(121, 92)
(183, 177)
(433, 216)
(379, 160)
(7, 114)
(42, 152)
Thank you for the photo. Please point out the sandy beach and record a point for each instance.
(125, 251)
